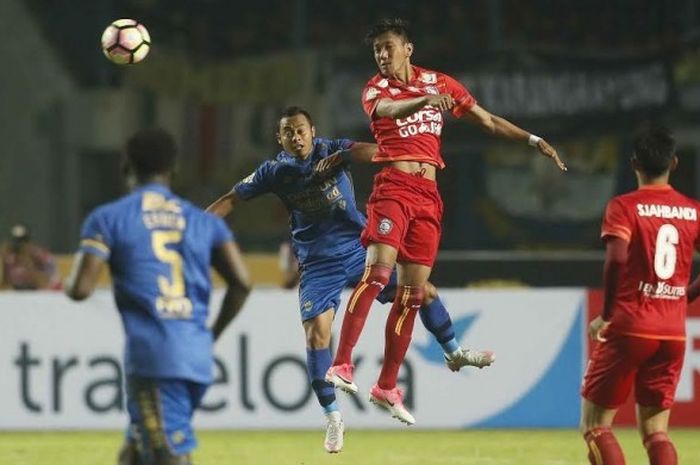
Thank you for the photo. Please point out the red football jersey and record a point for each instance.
(416, 137)
(662, 229)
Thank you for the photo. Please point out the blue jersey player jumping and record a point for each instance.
(325, 226)
(159, 248)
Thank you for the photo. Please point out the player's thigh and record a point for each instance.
(611, 371)
(387, 219)
(320, 286)
(658, 377)
(160, 414)
(421, 241)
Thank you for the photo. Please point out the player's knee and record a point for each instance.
(411, 296)
(317, 339)
(318, 333)
(430, 294)
(378, 274)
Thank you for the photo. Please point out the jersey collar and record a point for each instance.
(153, 186)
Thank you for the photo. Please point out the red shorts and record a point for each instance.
(652, 365)
(405, 211)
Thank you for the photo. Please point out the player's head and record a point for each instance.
(296, 131)
(391, 44)
(150, 153)
(654, 151)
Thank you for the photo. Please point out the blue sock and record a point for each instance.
(318, 361)
(436, 320)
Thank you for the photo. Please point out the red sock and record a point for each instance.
(660, 449)
(398, 332)
(372, 282)
(603, 448)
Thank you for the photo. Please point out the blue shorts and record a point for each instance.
(322, 281)
(160, 415)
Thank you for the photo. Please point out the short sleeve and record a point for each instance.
(371, 95)
(220, 231)
(616, 221)
(95, 237)
(464, 101)
(257, 183)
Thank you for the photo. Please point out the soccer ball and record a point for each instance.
(126, 42)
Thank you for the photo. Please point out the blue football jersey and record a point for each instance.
(324, 219)
(159, 249)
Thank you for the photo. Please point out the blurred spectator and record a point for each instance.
(25, 265)
(289, 266)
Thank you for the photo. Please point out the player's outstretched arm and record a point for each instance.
(224, 205)
(228, 262)
(501, 127)
(395, 109)
(83, 276)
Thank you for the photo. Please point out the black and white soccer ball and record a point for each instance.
(126, 41)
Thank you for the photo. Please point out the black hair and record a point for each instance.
(654, 149)
(150, 152)
(398, 26)
(293, 111)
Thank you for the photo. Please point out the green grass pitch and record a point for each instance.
(407, 447)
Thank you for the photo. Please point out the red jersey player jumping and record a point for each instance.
(405, 104)
(650, 236)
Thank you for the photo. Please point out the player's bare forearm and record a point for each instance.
(495, 125)
(224, 205)
(615, 259)
(83, 276)
(363, 152)
(395, 109)
(228, 262)
(230, 308)
(507, 130)
(501, 127)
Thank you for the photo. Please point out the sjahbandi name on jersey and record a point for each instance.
(667, 211)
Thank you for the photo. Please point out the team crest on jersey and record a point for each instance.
(371, 94)
(385, 226)
(429, 78)
(307, 306)
(383, 83)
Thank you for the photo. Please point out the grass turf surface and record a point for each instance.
(492, 447)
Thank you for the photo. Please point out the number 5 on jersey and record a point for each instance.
(172, 303)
